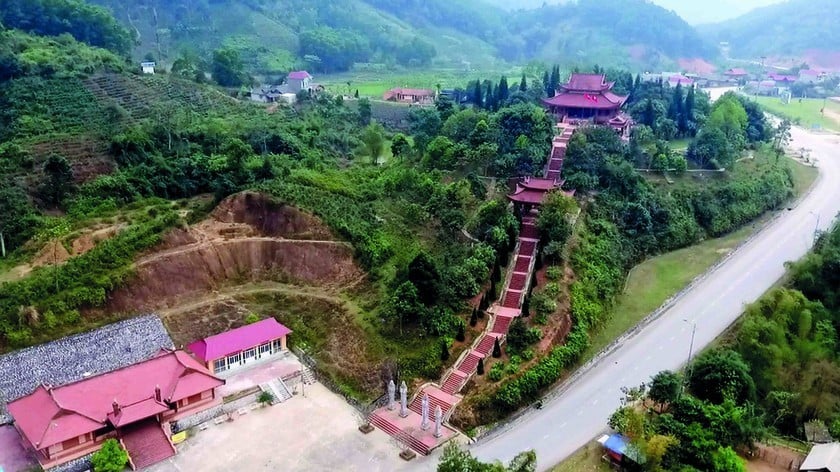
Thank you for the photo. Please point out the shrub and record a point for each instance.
(496, 372)
(252, 318)
(265, 398)
(554, 273)
(111, 458)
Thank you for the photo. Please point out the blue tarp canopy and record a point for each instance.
(620, 444)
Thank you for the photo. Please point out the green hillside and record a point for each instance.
(787, 29)
(274, 36)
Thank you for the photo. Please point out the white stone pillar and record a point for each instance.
(424, 423)
(392, 391)
(438, 421)
(403, 405)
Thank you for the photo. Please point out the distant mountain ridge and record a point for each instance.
(795, 28)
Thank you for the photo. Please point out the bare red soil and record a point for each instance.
(247, 238)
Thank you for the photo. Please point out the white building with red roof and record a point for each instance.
(241, 346)
(298, 80)
(133, 404)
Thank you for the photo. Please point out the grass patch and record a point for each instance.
(375, 83)
(652, 282)
(805, 112)
(679, 144)
(585, 459)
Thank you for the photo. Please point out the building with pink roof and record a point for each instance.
(298, 81)
(241, 346)
(133, 404)
(586, 97)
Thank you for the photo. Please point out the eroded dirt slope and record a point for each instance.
(247, 238)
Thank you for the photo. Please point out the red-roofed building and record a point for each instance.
(63, 423)
(736, 73)
(531, 191)
(408, 95)
(241, 346)
(297, 81)
(586, 97)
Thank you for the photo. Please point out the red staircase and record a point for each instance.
(381, 421)
(437, 398)
(146, 443)
(470, 362)
(454, 381)
(501, 325)
(522, 264)
(512, 298)
(527, 248)
(486, 343)
(529, 231)
(443, 396)
(517, 280)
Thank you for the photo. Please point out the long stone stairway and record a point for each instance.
(445, 394)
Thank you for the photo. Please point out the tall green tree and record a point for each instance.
(59, 180)
(228, 69)
(720, 374)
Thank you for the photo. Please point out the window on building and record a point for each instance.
(234, 360)
(265, 349)
(276, 345)
(250, 354)
(220, 365)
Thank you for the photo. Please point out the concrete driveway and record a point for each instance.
(318, 432)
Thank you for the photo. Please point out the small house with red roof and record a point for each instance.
(409, 95)
(586, 97)
(241, 346)
(298, 80)
(133, 404)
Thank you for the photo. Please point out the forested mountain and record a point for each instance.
(693, 12)
(791, 28)
(329, 35)
(615, 31)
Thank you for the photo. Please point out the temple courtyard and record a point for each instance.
(315, 430)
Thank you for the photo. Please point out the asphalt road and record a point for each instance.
(578, 414)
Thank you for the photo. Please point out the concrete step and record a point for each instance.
(308, 377)
(518, 280)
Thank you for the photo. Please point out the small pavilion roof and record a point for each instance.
(523, 195)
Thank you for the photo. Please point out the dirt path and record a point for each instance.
(230, 294)
(209, 243)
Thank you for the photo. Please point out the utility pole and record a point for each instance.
(690, 352)
(816, 226)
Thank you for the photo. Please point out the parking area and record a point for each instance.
(315, 430)
(13, 457)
